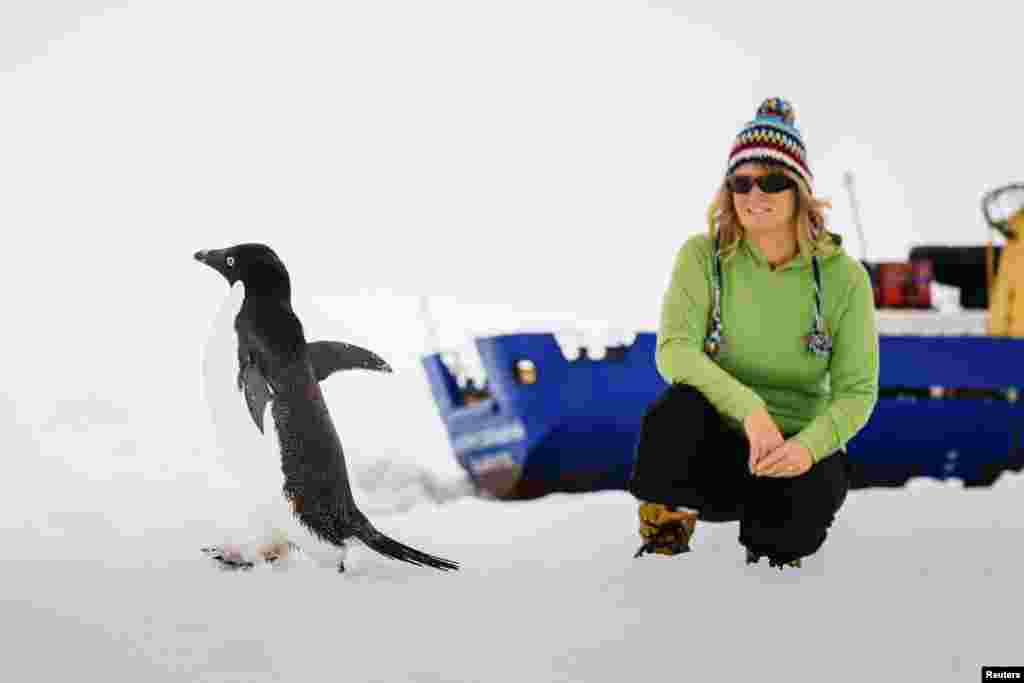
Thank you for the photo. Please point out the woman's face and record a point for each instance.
(763, 212)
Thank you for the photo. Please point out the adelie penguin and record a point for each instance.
(276, 365)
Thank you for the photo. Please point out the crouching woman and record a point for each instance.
(768, 342)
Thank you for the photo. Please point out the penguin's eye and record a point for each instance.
(230, 260)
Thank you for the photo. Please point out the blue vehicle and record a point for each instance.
(547, 422)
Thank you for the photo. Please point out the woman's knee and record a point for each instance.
(673, 432)
(678, 406)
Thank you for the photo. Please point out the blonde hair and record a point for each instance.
(810, 216)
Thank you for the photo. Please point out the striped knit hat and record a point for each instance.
(772, 137)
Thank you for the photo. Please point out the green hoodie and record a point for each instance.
(766, 314)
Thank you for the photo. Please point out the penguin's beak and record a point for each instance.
(215, 259)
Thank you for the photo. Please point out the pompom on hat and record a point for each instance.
(772, 137)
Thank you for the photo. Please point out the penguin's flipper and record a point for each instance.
(257, 393)
(328, 357)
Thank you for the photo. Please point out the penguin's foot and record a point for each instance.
(234, 557)
(229, 557)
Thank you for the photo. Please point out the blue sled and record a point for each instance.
(948, 408)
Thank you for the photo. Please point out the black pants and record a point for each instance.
(687, 456)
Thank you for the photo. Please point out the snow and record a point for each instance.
(918, 583)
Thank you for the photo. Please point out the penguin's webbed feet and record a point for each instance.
(228, 558)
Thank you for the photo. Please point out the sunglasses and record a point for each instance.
(770, 184)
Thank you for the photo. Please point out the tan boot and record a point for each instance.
(665, 530)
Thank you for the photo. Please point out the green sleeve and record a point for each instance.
(680, 356)
(853, 375)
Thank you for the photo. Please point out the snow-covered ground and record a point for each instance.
(104, 514)
(921, 584)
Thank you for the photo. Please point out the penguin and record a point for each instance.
(276, 365)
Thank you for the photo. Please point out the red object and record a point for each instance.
(904, 284)
(893, 281)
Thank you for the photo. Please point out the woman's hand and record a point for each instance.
(763, 434)
(791, 459)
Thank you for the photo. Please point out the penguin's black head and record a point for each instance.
(256, 265)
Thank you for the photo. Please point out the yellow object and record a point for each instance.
(1006, 300)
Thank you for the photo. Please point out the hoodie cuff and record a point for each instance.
(816, 440)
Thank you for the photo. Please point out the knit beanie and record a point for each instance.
(774, 138)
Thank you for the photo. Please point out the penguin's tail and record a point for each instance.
(399, 551)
